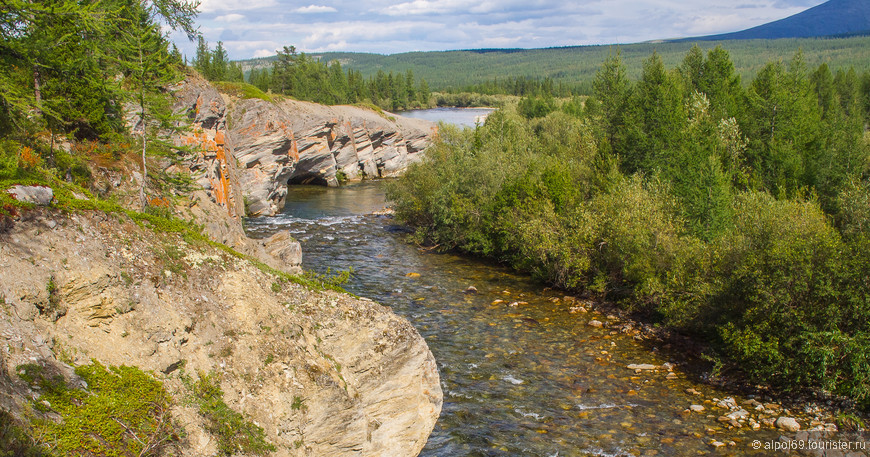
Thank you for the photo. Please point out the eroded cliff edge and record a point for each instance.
(324, 373)
(281, 141)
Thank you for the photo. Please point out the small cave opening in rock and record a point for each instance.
(308, 180)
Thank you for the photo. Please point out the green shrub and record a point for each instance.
(123, 411)
(242, 90)
(532, 107)
(234, 433)
(639, 236)
(15, 441)
(782, 271)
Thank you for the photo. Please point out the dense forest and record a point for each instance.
(302, 77)
(68, 67)
(739, 214)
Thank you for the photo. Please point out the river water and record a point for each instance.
(522, 372)
(463, 117)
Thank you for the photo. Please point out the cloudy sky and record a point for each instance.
(256, 28)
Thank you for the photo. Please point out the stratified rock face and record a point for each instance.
(323, 373)
(209, 164)
(299, 142)
(218, 197)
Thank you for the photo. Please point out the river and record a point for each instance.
(463, 117)
(522, 372)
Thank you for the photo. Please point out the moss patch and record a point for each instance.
(123, 411)
(235, 434)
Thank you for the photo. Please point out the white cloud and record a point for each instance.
(212, 6)
(392, 26)
(263, 53)
(420, 7)
(313, 9)
(232, 17)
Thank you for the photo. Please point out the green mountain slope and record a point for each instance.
(577, 65)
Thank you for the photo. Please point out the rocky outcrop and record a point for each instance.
(37, 195)
(323, 373)
(288, 141)
(208, 157)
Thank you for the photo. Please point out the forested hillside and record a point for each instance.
(302, 77)
(736, 213)
(575, 67)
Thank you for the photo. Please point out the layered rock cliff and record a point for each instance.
(325, 374)
(285, 141)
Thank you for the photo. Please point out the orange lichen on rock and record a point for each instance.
(294, 148)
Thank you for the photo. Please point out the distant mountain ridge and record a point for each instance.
(832, 18)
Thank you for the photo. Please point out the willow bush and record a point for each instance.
(709, 224)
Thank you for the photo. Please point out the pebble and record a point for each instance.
(717, 444)
(595, 323)
(671, 375)
(727, 403)
(697, 408)
(471, 290)
(693, 391)
(739, 414)
(788, 424)
(413, 275)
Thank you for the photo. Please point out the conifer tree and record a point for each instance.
(611, 94)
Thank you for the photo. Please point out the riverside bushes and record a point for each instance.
(724, 218)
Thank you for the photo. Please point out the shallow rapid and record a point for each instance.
(522, 372)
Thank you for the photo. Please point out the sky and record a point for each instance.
(257, 28)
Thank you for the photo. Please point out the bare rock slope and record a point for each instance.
(362, 379)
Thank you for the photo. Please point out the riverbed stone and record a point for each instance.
(642, 367)
(788, 424)
(697, 408)
(738, 415)
(595, 323)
